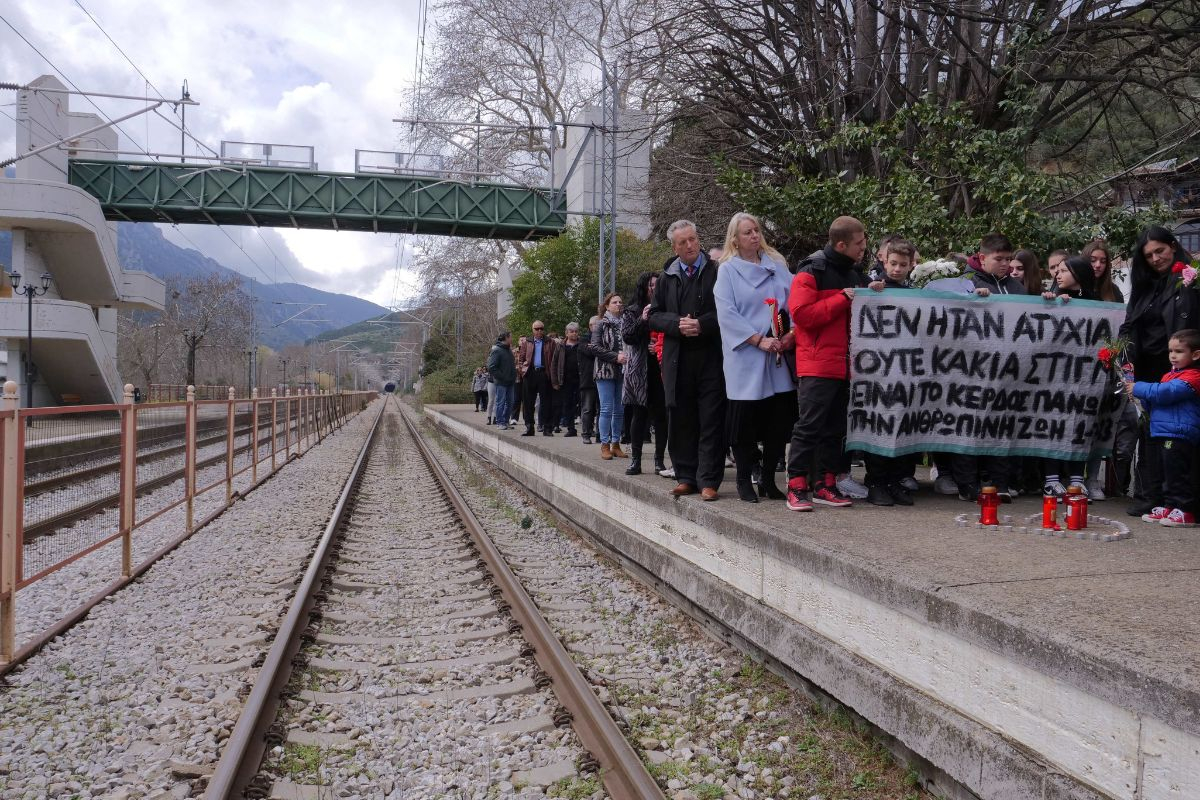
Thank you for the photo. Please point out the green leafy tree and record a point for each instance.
(559, 284)
(958, 181)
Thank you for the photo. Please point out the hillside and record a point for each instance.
(144, 247)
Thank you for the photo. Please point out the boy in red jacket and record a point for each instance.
(822, 292)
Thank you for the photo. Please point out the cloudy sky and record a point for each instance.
(308, 72)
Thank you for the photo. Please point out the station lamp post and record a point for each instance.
(283, 362)
(30, 291)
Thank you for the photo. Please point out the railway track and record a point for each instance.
(408, 620)
(110, 468)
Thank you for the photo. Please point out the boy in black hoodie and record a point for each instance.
(988, 269)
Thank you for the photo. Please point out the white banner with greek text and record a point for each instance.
(1019, 376)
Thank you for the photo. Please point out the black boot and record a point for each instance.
(635, 465)
(767, 487)
(745, 490)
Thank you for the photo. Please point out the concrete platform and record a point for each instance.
(1022, 666)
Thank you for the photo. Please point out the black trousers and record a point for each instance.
(974, 471)
(884, 470)
(654, 413)
(567, 401)
(535, 385)
(1178, 460)
(697, 429)
(589, 405)
(769, 421)
(1149, 484)
(481, 399)
(819, 435)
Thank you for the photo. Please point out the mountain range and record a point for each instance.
(143, 247)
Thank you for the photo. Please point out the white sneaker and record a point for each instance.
(1082, 488)
(850, 487)
(669, 472)
(910, 484)
(1054, 489)
(1095, 492)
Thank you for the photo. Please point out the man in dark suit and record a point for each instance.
(684, 309)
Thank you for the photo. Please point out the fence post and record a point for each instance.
(189, 467)
(287, 423)
(11, 501)
(128, 479)
(274, 419)
(229, 448)
(254, 436)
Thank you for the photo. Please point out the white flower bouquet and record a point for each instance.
(928, 271)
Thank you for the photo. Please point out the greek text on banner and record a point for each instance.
(934, 371)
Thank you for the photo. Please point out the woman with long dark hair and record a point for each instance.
(642, 391)
(1073, 279)
(1159, 305)
(1024, 267)
(1098, 255)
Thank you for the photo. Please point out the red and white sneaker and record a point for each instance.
(1178, 518)
(799, 498)
(830, 495)
(1155, 514)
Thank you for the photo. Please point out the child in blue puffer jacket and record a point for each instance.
(1174, 408)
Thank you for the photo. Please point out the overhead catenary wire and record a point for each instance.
(133, 140)
(71, 83)
(149, 82)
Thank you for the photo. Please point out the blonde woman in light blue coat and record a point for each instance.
(757, 361)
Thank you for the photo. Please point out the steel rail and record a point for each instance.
(36, 487)
(242, 756)
(49, 525)
(621, 769)
(76, 615)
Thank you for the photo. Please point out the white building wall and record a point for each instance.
(60, 230)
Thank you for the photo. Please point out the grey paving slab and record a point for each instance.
(1127, 610)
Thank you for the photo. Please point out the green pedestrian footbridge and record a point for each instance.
(136, 191)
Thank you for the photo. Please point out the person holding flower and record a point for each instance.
(1173, 405)
(751, 295)
(1162, 299)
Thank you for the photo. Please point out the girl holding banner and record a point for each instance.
(751, 295)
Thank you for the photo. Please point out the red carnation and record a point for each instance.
(770, 301)
(1178, 267)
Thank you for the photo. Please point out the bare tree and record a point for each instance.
(210, 312)
(781, 76)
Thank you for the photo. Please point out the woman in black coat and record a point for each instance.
(643, 387)
(1159, 305)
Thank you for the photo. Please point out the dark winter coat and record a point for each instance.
(986, 280)
(1173, 404)
(501, 365)
(1153, 315)
(677, 296)
(565, 369)
(820, 312)
(587, 361)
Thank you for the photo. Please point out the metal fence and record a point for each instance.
(73, 480)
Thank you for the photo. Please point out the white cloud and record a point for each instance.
(325, 74)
